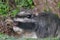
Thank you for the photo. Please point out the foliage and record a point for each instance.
(25, 3)
(14, 12)
(58, 4)
(6, 37)
(4, 8)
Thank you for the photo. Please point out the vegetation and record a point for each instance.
(4, 8)
(7, 8)
(6, 37)
(58, 4)
(25, 3)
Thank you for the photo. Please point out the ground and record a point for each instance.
(6, 37)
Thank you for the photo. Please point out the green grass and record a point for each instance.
(6, 37)
(28, 4)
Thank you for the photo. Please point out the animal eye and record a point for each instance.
(29, 16)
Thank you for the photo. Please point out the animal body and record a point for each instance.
(43, 25)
